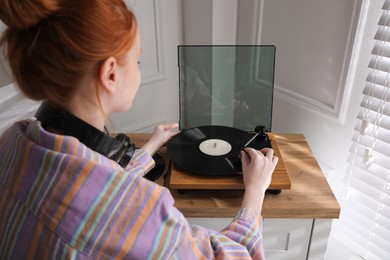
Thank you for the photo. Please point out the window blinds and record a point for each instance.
(365, 215)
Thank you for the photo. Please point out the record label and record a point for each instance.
(215, 147)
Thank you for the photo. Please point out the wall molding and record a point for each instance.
(259, 21)
(338, 110)
(306, 103)
(160, 75)
(353, 63)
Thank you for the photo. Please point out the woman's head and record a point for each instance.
(52, 44)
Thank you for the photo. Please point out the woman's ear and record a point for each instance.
(108, 74)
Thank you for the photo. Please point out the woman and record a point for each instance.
(61, 199)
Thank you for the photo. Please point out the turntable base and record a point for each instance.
(179, 179)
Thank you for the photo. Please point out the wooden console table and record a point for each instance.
(297, 221)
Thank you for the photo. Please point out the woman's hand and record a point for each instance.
(257, 168)
(161, 135)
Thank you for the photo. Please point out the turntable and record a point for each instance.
(226, 97)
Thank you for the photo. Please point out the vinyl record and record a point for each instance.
(210, 150)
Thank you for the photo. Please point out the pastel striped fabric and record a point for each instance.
(61, 200)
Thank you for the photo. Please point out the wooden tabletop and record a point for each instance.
(309, 197)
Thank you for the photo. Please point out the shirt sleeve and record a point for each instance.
(140, 163)
(247, 228)
(242, 238)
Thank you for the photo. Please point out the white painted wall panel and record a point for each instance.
(314, 42)
(157, 100)
(311, 47)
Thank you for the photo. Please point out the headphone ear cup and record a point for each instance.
(122, 150)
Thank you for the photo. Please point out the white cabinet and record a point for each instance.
(292, 239)
(287, 238)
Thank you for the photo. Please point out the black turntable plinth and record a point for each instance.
(180, 179)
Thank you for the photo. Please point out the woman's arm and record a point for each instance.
(257, 167)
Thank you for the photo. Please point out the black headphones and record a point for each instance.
(120, 149)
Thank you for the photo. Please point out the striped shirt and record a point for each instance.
(61, 200)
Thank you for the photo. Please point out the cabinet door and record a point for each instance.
(287, 238)
(283, 238)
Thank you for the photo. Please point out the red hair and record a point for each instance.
(51, 45)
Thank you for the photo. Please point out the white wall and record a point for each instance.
(157, 100)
